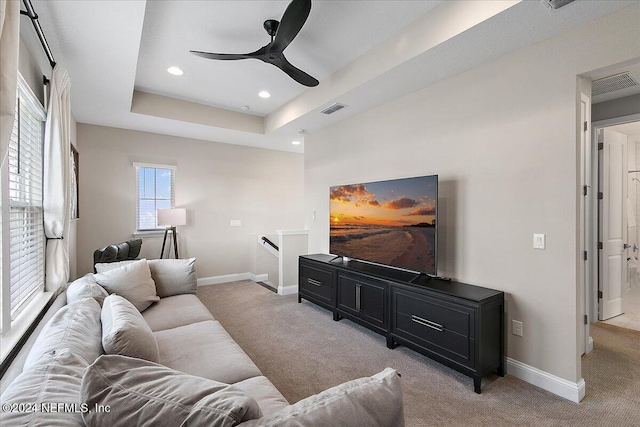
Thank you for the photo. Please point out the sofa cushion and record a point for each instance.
(174, 276)
(75, 327)
(374, 401)
(56, 385)
(265, 393)
(125, 332)
(85, 287)
(206, 350)
(178, 310)
(132, 281)
(144, 393)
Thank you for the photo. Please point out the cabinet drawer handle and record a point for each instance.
(427, 323)
(358, 297)
(314, 282)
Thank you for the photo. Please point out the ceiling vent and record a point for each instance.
(333, 108)
(612, 83)
(556, 4)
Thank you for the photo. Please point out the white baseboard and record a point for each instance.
(215, 280)
(259, 277)
(569, 390)
(287, 290)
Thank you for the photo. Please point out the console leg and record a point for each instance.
(500, 370)
(477, 384)
(336, 316)
(390, 342)
(299, 299)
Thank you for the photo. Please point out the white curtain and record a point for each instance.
(57, 148)
(9, 43)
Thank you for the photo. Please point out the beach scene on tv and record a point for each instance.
(387, 222)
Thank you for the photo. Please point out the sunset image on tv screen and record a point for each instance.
(387, 222)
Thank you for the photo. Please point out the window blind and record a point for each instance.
(155, 186)
(26, 231)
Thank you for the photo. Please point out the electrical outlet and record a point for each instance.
(516, 328)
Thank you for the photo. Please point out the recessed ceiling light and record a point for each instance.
(175, 71)
(264, 94)
(296, 142)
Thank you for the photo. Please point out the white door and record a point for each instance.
(613, 225)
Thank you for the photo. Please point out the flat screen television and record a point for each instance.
(387, 222)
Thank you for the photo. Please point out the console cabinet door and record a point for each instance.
(347, 288)
(373, 302)
(365, 298)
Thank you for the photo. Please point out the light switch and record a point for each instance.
(538, 241)
(235, 223)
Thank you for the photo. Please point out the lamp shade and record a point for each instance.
(172, 217)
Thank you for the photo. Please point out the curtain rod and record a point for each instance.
(33, 16)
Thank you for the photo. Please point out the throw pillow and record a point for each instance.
(373, 402)
(144, 393)
(174, 276)
(103, 267)
(125, 332)
(75, 327)
(132, 281)
(85, 287)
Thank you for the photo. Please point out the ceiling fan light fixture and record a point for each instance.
(264, 94)
(176, 71)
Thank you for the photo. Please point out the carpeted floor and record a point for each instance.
(303, 352)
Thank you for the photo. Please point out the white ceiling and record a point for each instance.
(364, 53)
(335, 33)
(632, 129)
(634, 72)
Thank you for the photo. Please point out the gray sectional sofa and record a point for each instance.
(95, 362)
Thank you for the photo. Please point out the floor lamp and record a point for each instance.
(171, 218)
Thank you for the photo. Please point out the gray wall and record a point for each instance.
(615, 108)
(503, 140)
(214, 182)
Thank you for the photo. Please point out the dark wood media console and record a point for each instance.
(453, 323)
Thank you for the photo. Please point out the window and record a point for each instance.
(154, 190)
(23, 233)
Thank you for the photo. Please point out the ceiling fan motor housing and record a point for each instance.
(271, 25)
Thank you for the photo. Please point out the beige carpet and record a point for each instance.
(303, 352)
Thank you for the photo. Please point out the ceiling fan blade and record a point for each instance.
(296, 73)
(223, 56)
(292, 21)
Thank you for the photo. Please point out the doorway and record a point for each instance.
(618, 293)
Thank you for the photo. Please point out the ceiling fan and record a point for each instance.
(282, 33)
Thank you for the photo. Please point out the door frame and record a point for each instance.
(592, 220)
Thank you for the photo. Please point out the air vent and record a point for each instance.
(556, 4)
(612, 83)
(333, 108)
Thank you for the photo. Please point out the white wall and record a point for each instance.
(214, 182)
(503, 139)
